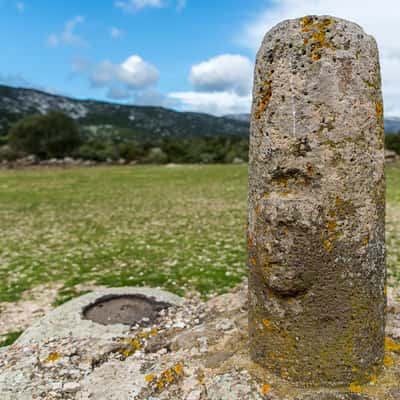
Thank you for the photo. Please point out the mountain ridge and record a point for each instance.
(142, 122)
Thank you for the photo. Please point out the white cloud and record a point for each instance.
(20, 6)
(133, 6)
(116, 33)
(68, 36)
(218, 103)
(379, 19)
(134, 74)
(222, 85)
(222, 73)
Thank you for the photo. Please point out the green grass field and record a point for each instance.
(180, 228)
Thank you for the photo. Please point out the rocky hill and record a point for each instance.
(142, 123)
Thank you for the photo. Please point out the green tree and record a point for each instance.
(47, 136)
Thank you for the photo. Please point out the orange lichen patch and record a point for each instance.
(379, 109)
(266, 195)
(388, 361)
(258, 208)
(365, 241)
(166, 378)
(316, 56)
(253, 261)
(328, 246)
(285, 193)
(266, 323)
(318, 35)
(390, 345)
(355, 388)
(286, 231)
(307, 22)
(130, 346)
(339, 201)
(52, 357)
(331, 225)
(265, 388)
(264, 94)
(149, 378)
(178, 368)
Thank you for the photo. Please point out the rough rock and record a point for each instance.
(133, 367)
(316, 236)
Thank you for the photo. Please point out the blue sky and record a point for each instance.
(190, 55)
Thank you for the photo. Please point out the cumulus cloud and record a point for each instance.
(116, 33)
(125, 79)
(68, 36)
(133, 6)
(379, 19)
(222, 85)
(217, 103)
(221, 73)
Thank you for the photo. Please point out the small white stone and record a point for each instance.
(71, 387)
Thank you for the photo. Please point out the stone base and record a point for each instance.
(194, 351)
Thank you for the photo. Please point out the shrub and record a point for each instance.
(46, 136)
(392, 142)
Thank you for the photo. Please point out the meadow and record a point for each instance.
(181, 228)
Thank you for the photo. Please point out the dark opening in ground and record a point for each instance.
(127, 310)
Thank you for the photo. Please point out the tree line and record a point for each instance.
(55, 135)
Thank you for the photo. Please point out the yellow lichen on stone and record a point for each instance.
(266, 323)
(391, 346)
(149, 378)
(178, 369)
(374, 379)
(331, 225)
(355, 388)
(265, 388)
(52, 357)
(264, 94)
(388, 361)
(365, 241)
(307, 22)
(318, 36)
(328, 246)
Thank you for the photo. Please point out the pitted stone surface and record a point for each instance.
(68, 320)
(165, 361)
(317, 203)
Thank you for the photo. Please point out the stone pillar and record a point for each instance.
(316, 244)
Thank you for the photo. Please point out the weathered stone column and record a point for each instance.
(316, 228)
